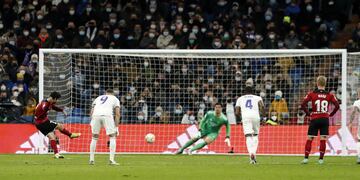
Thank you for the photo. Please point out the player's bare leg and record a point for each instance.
(322, 148)
(63, 130)
(207, 141)
(94, 139)
(113, 149)
(307, 149)
(52, 139)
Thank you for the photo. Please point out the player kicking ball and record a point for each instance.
(102, 112)
(248, 107)
(352, 117)
(47, 127)
(319, 117)
(209, 128)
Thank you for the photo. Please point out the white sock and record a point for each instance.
(249, 144)
(92, 149)
(112, 148)
(256, 143)
(358, 149)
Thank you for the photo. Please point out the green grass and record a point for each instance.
(168, 167)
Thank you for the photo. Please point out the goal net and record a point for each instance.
(167, 92)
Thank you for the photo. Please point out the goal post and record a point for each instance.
(166, 92)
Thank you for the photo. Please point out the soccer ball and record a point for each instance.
(150, 138)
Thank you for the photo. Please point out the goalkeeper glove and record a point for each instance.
(227, 141)
(198, 134)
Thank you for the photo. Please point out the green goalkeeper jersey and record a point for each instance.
(212, 124)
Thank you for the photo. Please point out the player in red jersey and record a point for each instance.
(319, 117)
(47, 127)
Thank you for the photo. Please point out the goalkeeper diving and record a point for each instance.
(209, 128)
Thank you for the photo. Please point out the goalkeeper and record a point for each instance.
(209, 130)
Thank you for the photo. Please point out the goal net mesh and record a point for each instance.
(168, 93)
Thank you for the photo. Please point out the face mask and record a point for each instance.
(146, 64)
(152, 10)
(151, 35)
(268, 86)
(3, 87)
(184, 70)
(148, 17)
(140, 118)
(128, 97)
(178, 111)
(222, 3)
(277, 97)
(262, 94)
(35, 3)
(40, 17)
(21, 89)
(181, 9)
(158, 114)
(59, 36)
(202, 106)
(1, 26)
(217, 44)
(26, 33)
(153, 26)
(195, 30)
(247, 63)
(112, 21)
(81, 33)
(191, 41)
(166, 33)
(108, 10)
(237, 78)
(116, 36)
(185, 30)
(62, 76)
(130, 37)
(268, 17)
(16, 94)
(203, 30)
(22, 72)
(211, 99)
(309, 8)
(96, 86)
(172, 27)
(88, 9)
(12, 43)
(211, 80)
(33, 30)
(317, 19)
(71, 12)
(272, 36)
(48, 26)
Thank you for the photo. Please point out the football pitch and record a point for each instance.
(170, 167)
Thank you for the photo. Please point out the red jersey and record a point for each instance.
(41, 111)
(320, 101)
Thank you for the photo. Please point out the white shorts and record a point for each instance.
(103, 121)
(251, 125)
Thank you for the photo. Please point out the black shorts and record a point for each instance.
(46, 127)
(321, 124)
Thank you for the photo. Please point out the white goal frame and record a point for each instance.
(265, 52)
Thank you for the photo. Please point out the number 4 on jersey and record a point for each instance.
(248, 104)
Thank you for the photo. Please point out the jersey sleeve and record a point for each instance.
(336, 103)
(238, 102)
(304, 104)
(202, 122)
(357, 104)
(58, 109)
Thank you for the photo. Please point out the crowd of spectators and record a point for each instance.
(27, 25)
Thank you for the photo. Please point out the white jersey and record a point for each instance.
(249, 105)
(104, 105)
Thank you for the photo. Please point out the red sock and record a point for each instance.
(308, 148)
(54, 146)
(66, 132)
(322, 148)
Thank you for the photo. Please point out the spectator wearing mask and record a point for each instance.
(164, 39)
(278, 110)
